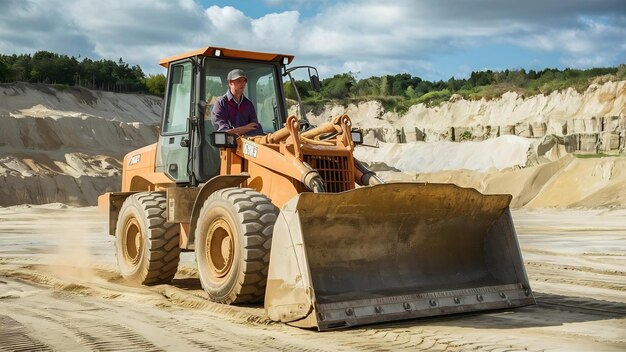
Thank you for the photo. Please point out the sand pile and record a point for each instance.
(421, 157)
(66, 145)
(40, 100)
(569, 182)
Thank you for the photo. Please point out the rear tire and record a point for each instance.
(232, 243)
(146, 246)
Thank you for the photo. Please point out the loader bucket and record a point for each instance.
(391, 252)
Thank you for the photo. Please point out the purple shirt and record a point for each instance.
(227, 114)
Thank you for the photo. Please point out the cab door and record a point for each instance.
(173, 153)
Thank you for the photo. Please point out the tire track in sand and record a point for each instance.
(14, 337)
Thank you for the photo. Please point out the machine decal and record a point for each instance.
(134, 159)
(249, 149)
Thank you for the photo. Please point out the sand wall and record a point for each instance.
(76, 101)
(66, 145)
(598, 114)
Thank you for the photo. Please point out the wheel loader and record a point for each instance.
(291, 218)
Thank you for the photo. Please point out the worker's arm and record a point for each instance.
(246, 129)
(219, 116)
(253, 121)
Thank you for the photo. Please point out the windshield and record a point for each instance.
(261, 88)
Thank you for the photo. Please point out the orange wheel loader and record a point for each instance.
(291, 218)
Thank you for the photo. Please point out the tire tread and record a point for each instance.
(257, 215)
(163, 252)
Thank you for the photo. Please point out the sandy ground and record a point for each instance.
(60, 290)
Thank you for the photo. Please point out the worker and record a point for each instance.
(233, 112)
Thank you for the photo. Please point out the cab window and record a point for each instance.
(261, 89)
(179, 99)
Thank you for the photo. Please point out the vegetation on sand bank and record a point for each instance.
(396, 92)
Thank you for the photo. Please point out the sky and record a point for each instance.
(431, 39)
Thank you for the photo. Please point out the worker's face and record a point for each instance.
(237, 86)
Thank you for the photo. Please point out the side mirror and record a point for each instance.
(315, 83)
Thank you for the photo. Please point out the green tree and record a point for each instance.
(454, 85)
(338, 87)
(400, 82)
(481, 78)
(367, 87)
(155, 84)
(5, 71)
(423, 87)
(42, 67)
(87, 70)
(304, 88)
(65, 70)
(410, 93)
(21, 68)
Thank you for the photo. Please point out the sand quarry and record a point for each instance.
(60, 289)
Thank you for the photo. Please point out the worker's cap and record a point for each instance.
(236, 73)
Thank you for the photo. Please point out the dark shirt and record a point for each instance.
(227, 114)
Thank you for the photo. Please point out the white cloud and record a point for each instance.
(230, 27)
(361, 36)
(25, 25)
(277, 31)
(228, 21)
(593, 43)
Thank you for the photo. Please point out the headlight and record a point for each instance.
(223, 140)
(357, 136)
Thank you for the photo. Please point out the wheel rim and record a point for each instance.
(220, 248)
(133, 242)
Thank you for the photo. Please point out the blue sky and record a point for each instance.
(426, 38)
(260, 8)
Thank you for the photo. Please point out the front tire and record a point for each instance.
(146, 246)
(232, 243)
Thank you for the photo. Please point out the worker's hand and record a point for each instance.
(304, 126)
(242, 130)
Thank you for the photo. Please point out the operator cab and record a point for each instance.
(261, 89)
(195, 81)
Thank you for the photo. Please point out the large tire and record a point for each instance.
(147, 247)
(232, 243)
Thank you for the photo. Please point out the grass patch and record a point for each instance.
(60, 86)
(466, 136)
(434, 98)
(595, 155)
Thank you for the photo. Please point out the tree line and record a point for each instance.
(397, 92)
(51, 68)
(400, 91)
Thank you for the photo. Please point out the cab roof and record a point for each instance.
(226, 53)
